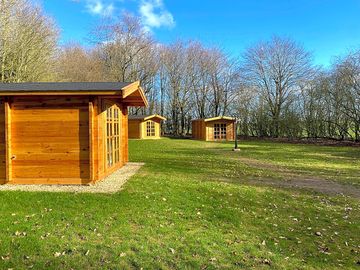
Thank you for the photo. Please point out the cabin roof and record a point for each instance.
(146, 117)
(63, 86)
(130, 92)
(217, 118)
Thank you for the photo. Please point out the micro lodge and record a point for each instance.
(64, 133)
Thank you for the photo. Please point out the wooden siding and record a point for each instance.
(2, 143)
(157, 130)
(134, 128)
(198, 129)
(230, 131)
(49, 140)
(209, 127)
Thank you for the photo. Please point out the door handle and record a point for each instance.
(13, 157)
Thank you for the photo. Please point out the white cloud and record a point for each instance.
(154, 14)
(99, 7)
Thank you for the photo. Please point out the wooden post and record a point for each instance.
(93, 140)
(124, 141)
(91, 145)
(8, 153)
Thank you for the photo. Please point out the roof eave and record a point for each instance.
(219, 118)
(133, 95)
(154, 116)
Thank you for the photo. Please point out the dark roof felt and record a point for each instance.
(63, 86)
(145, 117)
(138, 116)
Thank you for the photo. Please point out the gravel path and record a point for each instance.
(110, 184)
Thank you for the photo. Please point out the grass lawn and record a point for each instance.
(187, 209)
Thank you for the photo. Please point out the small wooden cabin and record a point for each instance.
(221, 128)
(64, 133)
(145, 126)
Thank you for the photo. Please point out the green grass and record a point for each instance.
(340, 164)
(179, 212)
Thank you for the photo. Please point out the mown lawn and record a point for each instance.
(187, 209)
(341, 164)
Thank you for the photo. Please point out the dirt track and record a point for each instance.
(318, 185)
(293, 180)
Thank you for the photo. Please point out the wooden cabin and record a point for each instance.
(64, 133)
(145, 126)
(221, 128)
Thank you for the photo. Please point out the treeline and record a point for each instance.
(274, 89)
(286, 96)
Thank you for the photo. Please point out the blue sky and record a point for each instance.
(326, 27)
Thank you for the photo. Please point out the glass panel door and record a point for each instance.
(220, 131)
(112, 135)
(150, 129)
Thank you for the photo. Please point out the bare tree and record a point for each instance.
(224, 81)
(27, 42)
(75, 64)
(347, 76)
(199, 70)
(276, 68)
(128, 53)
(174, 66)
(121, 45)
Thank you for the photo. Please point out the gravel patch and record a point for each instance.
(110, 184)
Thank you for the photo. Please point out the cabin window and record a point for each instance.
(220, 131)
(150, 129)
(112, 135)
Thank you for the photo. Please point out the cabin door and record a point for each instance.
(112, 135)
(150, 129)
